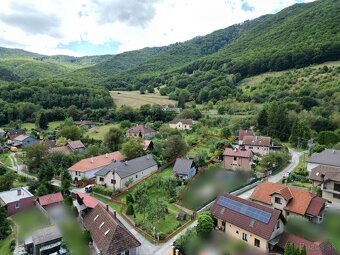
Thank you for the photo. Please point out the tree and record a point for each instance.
(113, 138)
(262, 121)
(5, 226)
(129, 199)
(300, 134)
(36, 154)
(42, 121)
(278, 123)
(72, 112)
(133, 148)
(328, 138)
(205, 224)
(142, 202)
(157, 210)
(129, 209)
(128, 182)
(183, 96)
(66, 180)
(173, 145)
(70, 132)
(290, 249)
(6, 181)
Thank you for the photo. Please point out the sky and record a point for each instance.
(96, 27)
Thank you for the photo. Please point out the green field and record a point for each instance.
(136, 100)
(99, 132)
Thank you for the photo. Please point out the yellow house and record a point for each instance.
(257, 225)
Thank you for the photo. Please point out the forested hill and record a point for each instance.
(297, 36)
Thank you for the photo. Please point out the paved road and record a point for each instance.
(277, 177)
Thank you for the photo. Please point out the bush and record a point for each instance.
(68, 201)
(129, 210)
(12, 245)
(102, 190)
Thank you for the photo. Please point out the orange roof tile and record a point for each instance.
(88, 164)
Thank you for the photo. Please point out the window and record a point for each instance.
(113, 181)
(337, 187)
(101, 179)
(257, 242)
(136, 176)
(250, 147)
(17, 205)
(244, 237)
(278, 200)
(278, 225)
(337, 196)
(236, 231)
(235, 158)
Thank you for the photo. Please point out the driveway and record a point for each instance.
(18, 168)
(294, 162)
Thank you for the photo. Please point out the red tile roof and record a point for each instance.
(108, 233)
(88, 164)
(51, 199)
(243, 133)
(242, 221)
(88, 201)
(312, 248)
(299, 200)
(244, 153)
(257, 141)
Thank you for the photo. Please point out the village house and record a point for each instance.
(258, 144)
(115, 175)
(48, 143)
(235, 158)
(13, 133)
(327, 178)
(141, 131)
(168, 107)
(257, 225)
(51, 200)
(181, 124)
(109, 235)
(312, 248)
(86, 168)
(290, 200)
(16, 200)
(242, 134)
(328, 157)
(71, 146)
(85, 123)
(24, 140)
(84, 203)
(44, 241)
(184, 169)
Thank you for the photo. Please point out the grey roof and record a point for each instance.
(325, 173)
(182, 166)
(46, 235)
(10, 196)
(127, 168)
(327, 157)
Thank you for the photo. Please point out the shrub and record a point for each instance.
(12, 245)
(130, 210)
(129, 199)
(102, 190)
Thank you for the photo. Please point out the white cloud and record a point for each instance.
(42, 25)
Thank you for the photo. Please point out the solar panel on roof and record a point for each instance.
(247, 210)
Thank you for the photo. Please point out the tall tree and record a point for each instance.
(300, 134)
(173, 145)
(278, 122)
(113, 138)
(70, 132)
(156, 211)
(36, 154)
(5, 226)
(42, 121)
(142, 202)
(6, 181)
(262, 121)
(133, 148)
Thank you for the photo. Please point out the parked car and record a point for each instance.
(88, 188)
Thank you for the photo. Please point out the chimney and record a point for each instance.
(19, 192)
(107, 207)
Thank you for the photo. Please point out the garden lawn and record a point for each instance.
(51, 125)
(28, 221)
(99, 132)
(4, 245)
(207, 185)
(115, 206)
(4, 158)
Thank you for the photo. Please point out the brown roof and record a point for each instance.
(243, 133)
(315, 206)
(299, 200)
(88, 164)
(21, 137)
(141, 129)
(51, 199)
(108, 233)
(75, 144)
(245, 222)
(233, 152)
(49, 143)
(312, 248)
(257, 141)
(325, 173)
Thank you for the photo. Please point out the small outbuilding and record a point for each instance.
(184, 169)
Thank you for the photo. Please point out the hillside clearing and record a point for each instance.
(99, 132)
(136, 100)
